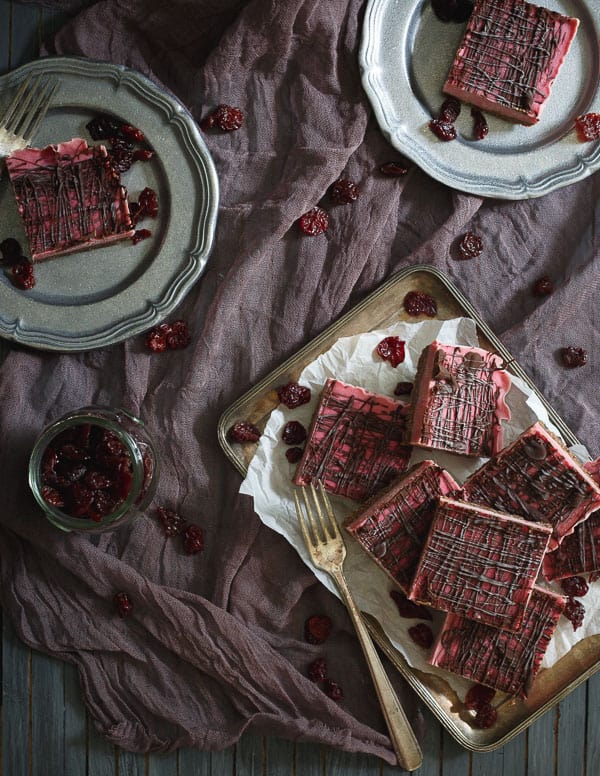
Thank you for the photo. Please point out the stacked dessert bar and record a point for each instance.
(482, 550)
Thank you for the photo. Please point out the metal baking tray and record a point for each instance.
(380, 309)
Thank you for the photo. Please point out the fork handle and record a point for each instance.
(403, 739)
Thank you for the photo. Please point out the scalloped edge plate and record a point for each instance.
(95, 298)
(404, 57)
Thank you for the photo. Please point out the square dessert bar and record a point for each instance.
(536, 477)
(459, 400)
(500, 659)
(393, 527)
(355, 443)
(509, 57)
(479, 563)
(69, 198)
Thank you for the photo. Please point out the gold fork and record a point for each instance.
(25, 113)
(328, 551)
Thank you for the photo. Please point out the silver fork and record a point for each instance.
(26, 111)
(328, 551)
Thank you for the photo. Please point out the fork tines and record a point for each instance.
(29, 106)
(326, 528)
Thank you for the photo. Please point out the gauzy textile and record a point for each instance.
(215, 644)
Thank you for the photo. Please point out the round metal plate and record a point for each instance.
(405, 55)
(95, 298)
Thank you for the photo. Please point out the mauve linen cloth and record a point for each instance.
(215, 643)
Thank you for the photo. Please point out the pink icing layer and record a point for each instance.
(393, 527)
(579, 552)
(500, 659)
(459, 400)
(509, 57)
(355, 443)
(69, 198)
(479, 563)
(537, 478)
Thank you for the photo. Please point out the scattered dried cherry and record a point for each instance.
(225, 118)
(315, 221)
(450, 110)
(123, 603)
(147, 204)
(420, 303)
(333, 690)
(575, 612)
(470, 246)
(294, 454)
(156, 338)
(317, 670)
(293, 433)
(317, 628)
(576, 587)
(408, 608)
(10, 250)
(104, 127)
(479, 696)
(573, 357)
(22, 274)
(178, 336)
(393, 169)
(140, 234)
(244, 431)
(588, 127)
(142, 155)
(344, 192)
(443, 130)
(133, 133)
(543, 286)
(403, 388)
(193, 539)
(480, 125)
(452, 10)
(485, 717)
(120, 154)
(421, 634)
(392, 349)
(293, 395)
(172, 523)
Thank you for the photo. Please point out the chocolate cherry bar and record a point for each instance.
(502, 659)
(69, 198)
(536, 477)
(355, 444)
(459, 400)
(479, 563)
(392, 528)
(509, 57)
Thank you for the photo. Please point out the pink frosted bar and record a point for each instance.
(68, 197)
(459, 400)
(536, 477)
(355, 443)
(500, 659)
(479, 563)
(579, 552)
(509, 57)
(393, 527)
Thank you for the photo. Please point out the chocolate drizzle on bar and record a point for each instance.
(355, 446)
(498, 658)
(479, 564)
(509, 44)
(65, 200)
(461, 414)
(578, 553)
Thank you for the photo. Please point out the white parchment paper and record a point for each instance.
(354, 360)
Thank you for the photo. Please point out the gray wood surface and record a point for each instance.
(46, 731)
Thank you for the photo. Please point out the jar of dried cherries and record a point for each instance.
(93, 469)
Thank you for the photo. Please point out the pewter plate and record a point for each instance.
(405, 55)
(98, 297)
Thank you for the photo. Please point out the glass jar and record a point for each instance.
(93, 469)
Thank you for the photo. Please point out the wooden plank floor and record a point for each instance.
(46, 731)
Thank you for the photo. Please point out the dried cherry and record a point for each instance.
(588, 127)
(575, 612)
(315, 221)
(22, 274)
(480, 125)
(443, 130)
(450, 110)
(172, 523)
(573, 357)
(478, 696)
(104, 127)
(293, 395)
(333, 690)
(317, 628)
(123, 603)
(293, 433)
(576, 587)
(470, 246)
(224, 117)
(293, 454)
(419, 303)
(140, 234)
(142, 155)
(344, 192)
(120, 154)
(317, 670)
(392, 349)
(193, 539)
(133, 133)
(543, 286)
(244, 431)
(393, 169)
(485, 717)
